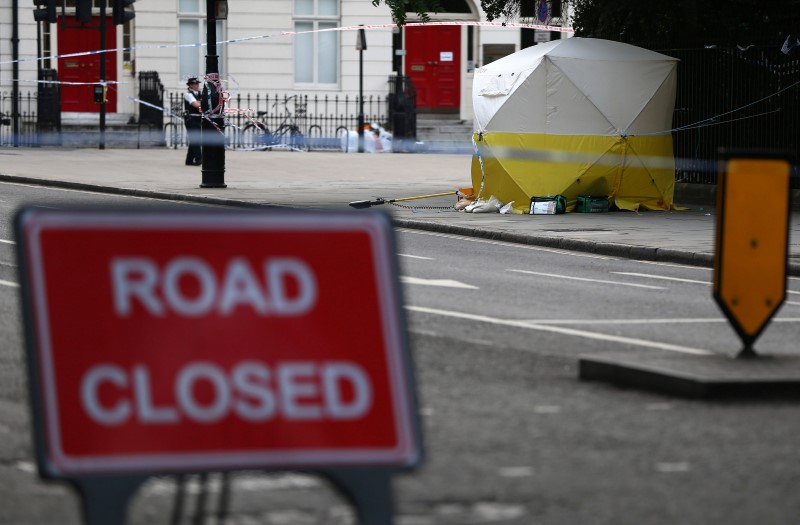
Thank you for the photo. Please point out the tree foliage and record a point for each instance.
(687, 22)
(677, 22)
(400, 8)
(494, 9)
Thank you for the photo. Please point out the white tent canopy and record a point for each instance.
(558, 94)
(571, 75)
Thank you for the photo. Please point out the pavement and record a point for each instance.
(331, 180)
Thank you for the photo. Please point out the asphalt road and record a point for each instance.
(511, 435)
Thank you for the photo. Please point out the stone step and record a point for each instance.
(129, 137)
(438, 133)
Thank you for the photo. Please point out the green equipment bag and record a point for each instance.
(587, 204)
(548, 205)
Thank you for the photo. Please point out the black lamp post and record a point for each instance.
(361, 46)
(212, 133)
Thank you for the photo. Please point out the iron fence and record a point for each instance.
(320, 120)
(734, 97)
(26, 106)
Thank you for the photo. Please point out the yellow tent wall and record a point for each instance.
(634, 171)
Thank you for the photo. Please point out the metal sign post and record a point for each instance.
(212, 131)
(102, 144)
(361, 46)
(204, 341)
(752, 241)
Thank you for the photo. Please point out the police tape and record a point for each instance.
(66, 83)
(293, 33)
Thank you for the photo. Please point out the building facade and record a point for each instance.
(271, 46)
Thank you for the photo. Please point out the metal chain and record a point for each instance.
(439, 209)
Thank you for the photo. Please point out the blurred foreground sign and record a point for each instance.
(174, 342)
(752, 238)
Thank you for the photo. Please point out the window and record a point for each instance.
(316, 54)
(127, 44)
(47, 47)
(192, 30)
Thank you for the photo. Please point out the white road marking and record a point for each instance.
(547, 409)
(26, 466)
(508, 244)
(673, 265)
(679, 466)
(601, 281)
(678, 279)
(415, 257)
(662, 277)
(8, 283)
(693, 320)
(690, 320)
(561, 330)
(4, 241)
(446, 283)
(241, 483)
(515, 472)
(659, 406)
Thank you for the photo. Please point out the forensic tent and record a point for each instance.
(576, 117)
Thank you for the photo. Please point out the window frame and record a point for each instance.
(199, 18)
(315, 19)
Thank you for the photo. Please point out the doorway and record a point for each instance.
(74, 37)
(433, 61)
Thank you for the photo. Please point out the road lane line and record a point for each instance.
(415, 257)
(699, 320)
(4, 241)
(8, 283)
(601, 281)
(446, 283)
(678, 279)
(662, 277)
(673, 265)
(564, 331)
(509, 244)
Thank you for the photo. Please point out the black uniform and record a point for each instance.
(193, 120)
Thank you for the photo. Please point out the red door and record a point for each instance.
(433, 61)
(76, 38)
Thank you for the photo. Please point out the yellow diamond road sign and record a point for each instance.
(752, 238)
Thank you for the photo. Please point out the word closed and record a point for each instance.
(252, 391)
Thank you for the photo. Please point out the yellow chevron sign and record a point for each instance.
(752, 238)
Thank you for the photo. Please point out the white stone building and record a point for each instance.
(262, 59)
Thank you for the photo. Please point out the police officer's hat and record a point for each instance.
(192, 80)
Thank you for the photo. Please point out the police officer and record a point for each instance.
(193, 120)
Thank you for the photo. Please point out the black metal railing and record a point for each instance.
(733, 97)
(151, 112)
(48, 108)
(322, 120)
(151, 91)
(402, 111)
(26, 115)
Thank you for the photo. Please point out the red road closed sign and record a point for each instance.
(162, 341)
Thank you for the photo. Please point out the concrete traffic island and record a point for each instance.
(713, 376)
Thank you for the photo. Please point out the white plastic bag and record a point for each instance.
(493, 205)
